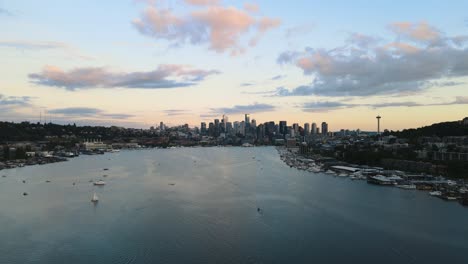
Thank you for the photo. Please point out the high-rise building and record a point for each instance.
(253, 124)
(283, 127)
(260, 132)
(216, 127)
(270, 128)
(203, 128)
(296, 128)
(236, 127)
(324, 128)
(161, 126)
(378, 125)
(314, 128)
(228, 127)
(211, 129)
(306, 129)
(246, 124)
(225, 121)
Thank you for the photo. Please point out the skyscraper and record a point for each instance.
(295, 128)
(253, 124)
(378, 124)
(216, 127)
(283, 127)
(161, 126)
(314, 128)
(324, 128)
(225, 121)
(306, 129)
(203, 128)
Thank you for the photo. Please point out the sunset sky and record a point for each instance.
(135, 63)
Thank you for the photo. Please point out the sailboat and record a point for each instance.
(95, 198)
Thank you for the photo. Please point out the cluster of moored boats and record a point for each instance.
(440, 187)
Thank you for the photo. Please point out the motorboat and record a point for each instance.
(100, 183)
(435, 193)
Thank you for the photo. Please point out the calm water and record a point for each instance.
(199, 205)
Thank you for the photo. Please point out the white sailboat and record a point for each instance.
(95, 198)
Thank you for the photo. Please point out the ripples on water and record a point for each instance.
(199, 205)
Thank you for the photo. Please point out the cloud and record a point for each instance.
(299, 30)
(278, 77)
(176, 112)
(419, 32)
(362, 40)
(240, 109)
(76, 111)
(45, 45)
(87, 112)
(164, 77)
(202, 2)
(13, 101)
(365, 68)
(220, 27)
(251, 7)
(4, 12)
(326, 106)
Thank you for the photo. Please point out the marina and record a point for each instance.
(446, 189)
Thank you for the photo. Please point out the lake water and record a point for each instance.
(199, 205)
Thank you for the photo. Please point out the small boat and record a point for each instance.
(435, 193)
(330, 172)
(342, 175)
(95, 198)
(407, 186)
(100, 183)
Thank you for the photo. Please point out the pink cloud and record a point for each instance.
(421, 32)
(222, 28)
(163, 77)
(251, 7)
(202, 2)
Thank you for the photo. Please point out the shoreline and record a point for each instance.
(440, 187)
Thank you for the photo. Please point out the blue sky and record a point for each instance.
(135, 63)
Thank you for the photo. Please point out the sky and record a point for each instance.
(135, 63)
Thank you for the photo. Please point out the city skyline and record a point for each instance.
(138, 63)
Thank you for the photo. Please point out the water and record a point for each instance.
(199, 205)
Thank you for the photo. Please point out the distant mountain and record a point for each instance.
(455, 128)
